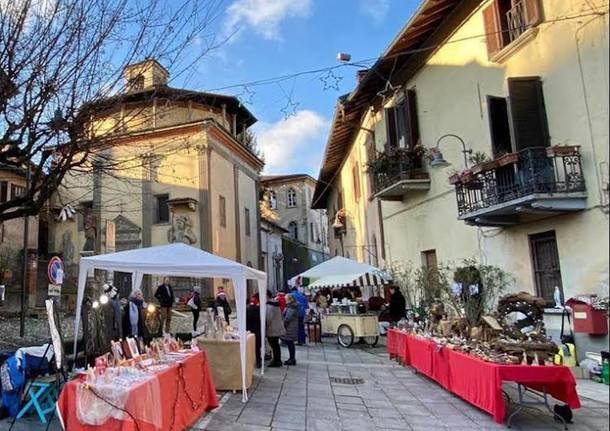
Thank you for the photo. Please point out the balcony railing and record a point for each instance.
(516, 21)
(551, 172)
(396, 171)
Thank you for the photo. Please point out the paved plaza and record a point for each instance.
(383, 395)
(313, 396)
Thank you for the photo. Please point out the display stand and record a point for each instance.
(524, 404)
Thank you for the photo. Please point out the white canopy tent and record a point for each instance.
(180, 260)
(341, 271)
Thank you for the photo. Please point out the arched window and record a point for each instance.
(293, 230)
(291, 197)
(272, 199)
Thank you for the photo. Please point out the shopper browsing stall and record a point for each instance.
(223, 302)
(303, 304)
(165, 296)
(291, 323)
(195, 305)
(274, 329)
(253, 324)
(133, 314)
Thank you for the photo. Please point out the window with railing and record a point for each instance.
(506, 20)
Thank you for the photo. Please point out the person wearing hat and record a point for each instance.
(222, 301)
(165, 296)
(111, 310)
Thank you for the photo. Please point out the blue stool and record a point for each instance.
(42, 394)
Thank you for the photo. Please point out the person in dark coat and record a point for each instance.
(398, 305)
(111, 310)
(274, 329)
(165, 296)
(196, 307)
(222, 301)
(291, 323)
(253, 324)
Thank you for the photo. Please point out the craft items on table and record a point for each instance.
(123, 390)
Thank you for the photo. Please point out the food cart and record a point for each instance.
(344, 318)
(348, 327)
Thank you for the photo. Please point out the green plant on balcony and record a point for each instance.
(403, 160)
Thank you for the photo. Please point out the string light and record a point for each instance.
(331, 81)
(246, 96)
(290, 110)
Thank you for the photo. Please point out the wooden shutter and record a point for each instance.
(493, 35)
(412, 121)
(528, 113)
(390, 123)
(533, 12)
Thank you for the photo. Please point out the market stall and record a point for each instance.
(344, 318)
(477, 381)
(224, 361)
(167, 397)
(180, 260)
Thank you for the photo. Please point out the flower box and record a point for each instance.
(508, 159)
(484, 166)
(454, 179)
(562, 150)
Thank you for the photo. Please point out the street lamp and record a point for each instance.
(437, 157)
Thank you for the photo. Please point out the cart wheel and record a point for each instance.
(345, 335)
(371, 341)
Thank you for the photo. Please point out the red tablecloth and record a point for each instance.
(397, 345)
(182, 404)
(480, 382)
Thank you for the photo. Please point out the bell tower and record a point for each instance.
(145, 75)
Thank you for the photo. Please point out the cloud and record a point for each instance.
(264, 17)
(376, 9)
(295, 144)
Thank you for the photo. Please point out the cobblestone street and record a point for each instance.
(313, 396)
(390, 397)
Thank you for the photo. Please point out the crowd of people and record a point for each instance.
(285, 314)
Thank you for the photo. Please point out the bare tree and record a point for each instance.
(59, 59)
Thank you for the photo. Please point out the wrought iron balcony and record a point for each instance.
(396, 172)
(522, 187)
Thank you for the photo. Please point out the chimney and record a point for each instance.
(360, 75)
(145, 75)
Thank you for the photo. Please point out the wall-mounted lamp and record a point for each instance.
(437, 157)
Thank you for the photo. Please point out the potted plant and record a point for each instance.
(562, 150)
(454, 178)
(508, 159)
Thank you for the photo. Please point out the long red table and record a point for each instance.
(186, 390)
(477, 381)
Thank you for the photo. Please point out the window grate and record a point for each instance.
(347, 380)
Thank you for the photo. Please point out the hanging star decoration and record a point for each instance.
(290, 110)
(246, 96)
(331, 81)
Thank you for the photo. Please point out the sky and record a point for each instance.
(271, 38)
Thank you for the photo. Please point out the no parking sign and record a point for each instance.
(55, 272)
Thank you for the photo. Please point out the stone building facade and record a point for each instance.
(174, 168)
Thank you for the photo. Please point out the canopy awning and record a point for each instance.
(180, 260)
(341, 272)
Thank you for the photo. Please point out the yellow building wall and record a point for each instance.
(363, 224)
(571, 57)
